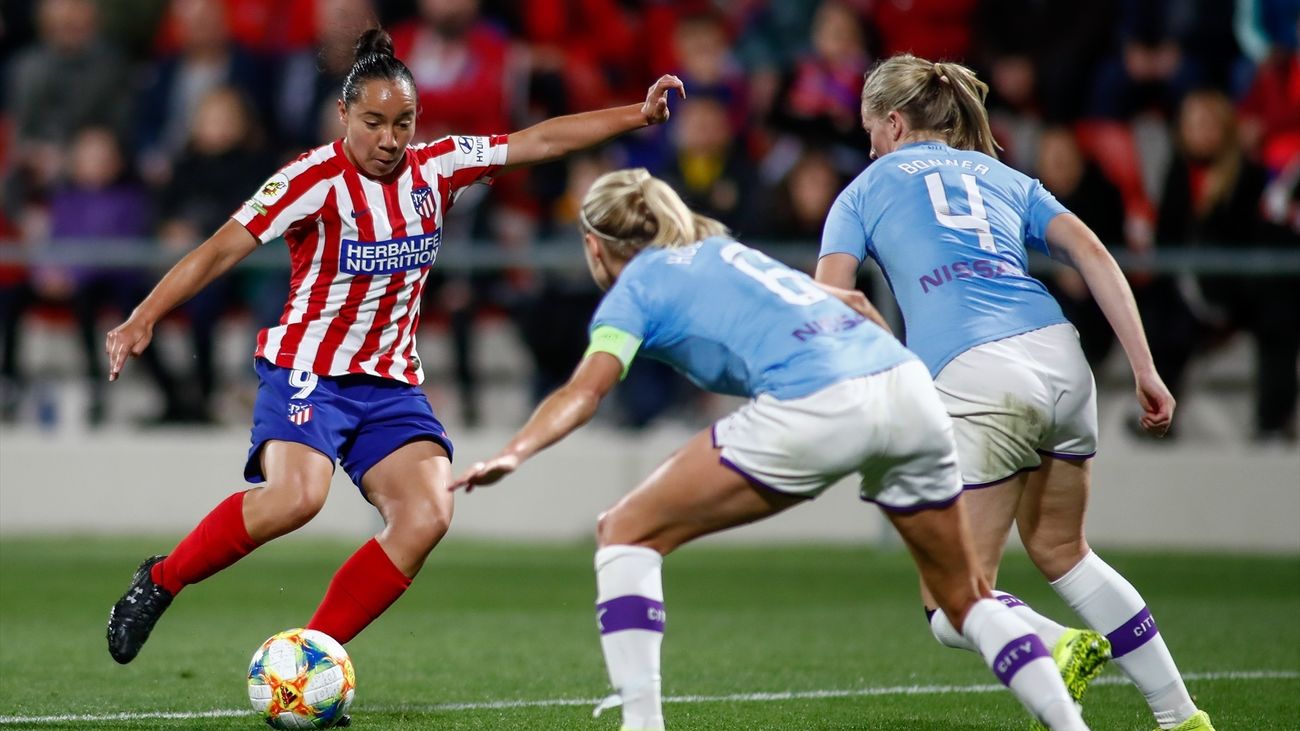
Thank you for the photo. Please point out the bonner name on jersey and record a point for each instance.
(388, 257)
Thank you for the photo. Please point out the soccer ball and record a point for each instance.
(301, 678)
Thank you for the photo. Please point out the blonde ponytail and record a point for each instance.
(631, 210)
(944, 98)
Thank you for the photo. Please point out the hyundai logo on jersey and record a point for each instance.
(475, 145)
(422, 199)
(388, 257)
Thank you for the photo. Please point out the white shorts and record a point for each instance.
(889, 427)
(1016, 399)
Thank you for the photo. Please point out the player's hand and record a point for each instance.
(655, 108)
(858, 302)
(126, 340)
(1156, 402)
(485, 473)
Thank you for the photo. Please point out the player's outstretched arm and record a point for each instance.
(214, 257)
(1070, 240)
(561, 136)
(567, 408)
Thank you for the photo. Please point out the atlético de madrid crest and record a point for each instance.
(422, 198)
(300, 413)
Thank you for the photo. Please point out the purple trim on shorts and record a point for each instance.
(1133, 634)
(1017, 654)
(630, 612)
(713, 434)
(912, 508)
(1067, 455)
(1010, 600)
(1000, 480)
(759, 483)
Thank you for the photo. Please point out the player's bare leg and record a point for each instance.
(1051, 518)
(409, 488)
(991, 511)
(939, 540)
(1080, 655)
(690, 495)
(297, 482)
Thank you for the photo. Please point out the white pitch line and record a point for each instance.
(731, 698)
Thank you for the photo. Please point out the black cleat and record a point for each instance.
(133, 617)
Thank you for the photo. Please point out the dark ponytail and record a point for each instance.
(374, 60)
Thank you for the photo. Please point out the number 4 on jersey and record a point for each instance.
(977, 221)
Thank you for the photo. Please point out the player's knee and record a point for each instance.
(301, 503)
(616, 527)
(1056, 555)
(422, 524)
(606, 534)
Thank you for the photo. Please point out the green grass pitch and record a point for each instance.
(487, 626)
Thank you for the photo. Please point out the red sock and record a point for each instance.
(219, 540)
(365, 585)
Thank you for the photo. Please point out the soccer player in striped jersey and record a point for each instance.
(831, 395)
(950, 226)
(339, 375)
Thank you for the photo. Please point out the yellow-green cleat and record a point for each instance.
(1199, 721)
(1080, 655)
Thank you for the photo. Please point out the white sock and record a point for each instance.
(1110, 605)
(948, 636)
(1021, 661)
(1048, 629)
(630, 614)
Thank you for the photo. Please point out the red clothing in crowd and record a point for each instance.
(265, 26)
(463, 85)
(1274, 101)
(939, 30)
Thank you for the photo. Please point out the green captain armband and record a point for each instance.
(621, 345)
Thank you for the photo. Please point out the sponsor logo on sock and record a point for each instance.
(1017, 654)
(630, 612)
(1010, 600)
(1133, 634)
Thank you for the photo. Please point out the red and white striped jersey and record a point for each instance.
(360, 252)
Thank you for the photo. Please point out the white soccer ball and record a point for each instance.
(301, 678)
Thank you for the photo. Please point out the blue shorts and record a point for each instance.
(357, 419)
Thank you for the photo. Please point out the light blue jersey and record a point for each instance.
(735, 321)
(950, 229)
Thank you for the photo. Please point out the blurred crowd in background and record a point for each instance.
(144, 123)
